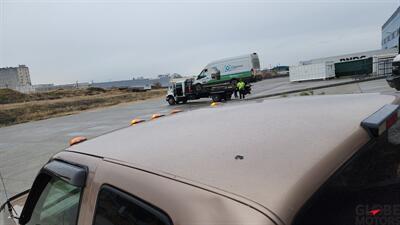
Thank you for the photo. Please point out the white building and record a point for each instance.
(16, 78)
(390, 31)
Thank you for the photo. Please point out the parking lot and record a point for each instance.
(35, 142)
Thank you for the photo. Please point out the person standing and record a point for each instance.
(241, 87)
(235, 92)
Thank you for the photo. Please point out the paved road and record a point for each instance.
(24, 148)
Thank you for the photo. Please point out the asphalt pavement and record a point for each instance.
(24, 148)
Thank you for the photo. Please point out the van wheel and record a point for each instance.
(198, 87)
(171, 101)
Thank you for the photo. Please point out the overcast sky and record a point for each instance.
(102, 40)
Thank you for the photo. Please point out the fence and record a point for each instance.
(384, 66)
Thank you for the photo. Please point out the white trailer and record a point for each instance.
(311, 72)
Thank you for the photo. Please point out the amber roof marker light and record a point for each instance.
(77, 140)
(136, 121)
(155, 116)
(176, 111)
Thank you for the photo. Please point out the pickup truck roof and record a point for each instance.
(275, 153)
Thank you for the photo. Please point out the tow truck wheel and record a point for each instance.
(171, 101)
(228, 96)
(216, 98)
(198, 87)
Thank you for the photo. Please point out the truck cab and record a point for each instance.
(178, 90)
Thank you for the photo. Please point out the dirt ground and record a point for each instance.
(17, 108)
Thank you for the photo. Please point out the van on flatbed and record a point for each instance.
(231, 70)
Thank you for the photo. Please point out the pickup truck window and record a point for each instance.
(115, 207)
(58, 204)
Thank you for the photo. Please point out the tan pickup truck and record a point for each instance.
(304, 160)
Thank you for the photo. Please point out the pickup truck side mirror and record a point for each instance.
(11, 210)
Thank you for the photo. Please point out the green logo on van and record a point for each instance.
(230, 67)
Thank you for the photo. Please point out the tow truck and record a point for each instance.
(181, 90)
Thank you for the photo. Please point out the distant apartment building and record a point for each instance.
(15, 77)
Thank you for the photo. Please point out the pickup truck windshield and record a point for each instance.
(58, 204)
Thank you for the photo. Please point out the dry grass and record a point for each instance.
(58, 103)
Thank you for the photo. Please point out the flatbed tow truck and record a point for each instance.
(216, 81)
(182, 89)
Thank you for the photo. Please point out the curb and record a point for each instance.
(315, 88)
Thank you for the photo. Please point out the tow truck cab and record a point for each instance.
(178, 91)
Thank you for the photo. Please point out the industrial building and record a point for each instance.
(390, 31)
(161, 81)
(376, 62)
(139, 84)
(350, 57)
(134, 84)
(16, 78)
